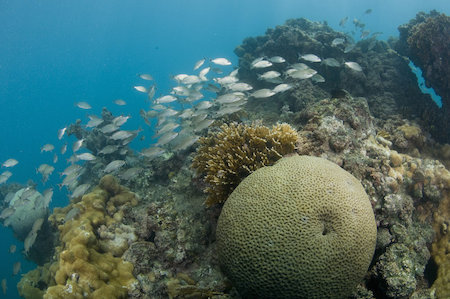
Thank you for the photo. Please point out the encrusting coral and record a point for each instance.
(226, 157)
(440, 249)
(86, 267)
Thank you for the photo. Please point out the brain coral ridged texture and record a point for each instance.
(303, 228)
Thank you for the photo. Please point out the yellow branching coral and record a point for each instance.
(226, 157)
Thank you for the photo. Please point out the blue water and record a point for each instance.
(55, 53)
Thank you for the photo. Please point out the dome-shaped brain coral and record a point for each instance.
(303, 228)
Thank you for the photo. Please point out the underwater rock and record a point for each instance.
(387, 82)
(425, 41)
(28, 205)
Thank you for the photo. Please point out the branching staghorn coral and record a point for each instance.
(226, 157)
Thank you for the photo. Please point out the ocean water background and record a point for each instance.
(56, 53)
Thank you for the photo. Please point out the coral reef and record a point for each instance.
(425, 41)
(300, 223)
(440, 249)
(226, 157)
(375, 124)
(386, 82)
(86, 264)
(34, 283)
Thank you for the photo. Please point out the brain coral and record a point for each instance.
(303, 228)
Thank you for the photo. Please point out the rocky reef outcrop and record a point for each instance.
(425, 41)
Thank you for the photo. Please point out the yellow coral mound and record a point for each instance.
(226, 157)
(84, 269)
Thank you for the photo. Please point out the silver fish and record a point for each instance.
(203, 72)
(141, 88)
(269, 75)
(337, 41)
(28, 242)
(281, 87)
(113, 166)
(61, 133)
(240, 86)
(212, 88)
(299, 66)
(343, 21)
(184, 141)
(181, 91)
(191, 79)
(153, 152)
(55, 158)
(48, 194)
(83, 105)
(7, 212)
(199, 63)
(3, 178)
(277, 59)
(120, 120)
(261, 64)
(303, 74)
(77, 145)
(331, 62)
(166, 128)
(364, 34)
(86, 157)
(45, 169)
(146, 77)
(203, 124)
(230, 98)
(221, 61)
(71, 169)
(317, 78)
(16, 268)
(109, 149)
(187, 113)
(168, 113)
(349, 48)
(70, 179)
(47, 147)
(262, 93)
(94, 121)
(354, 66)
(202, 105)
(166, 138)
(6, 173)
(180, 77)
(10, 163)
(63, 149)
(109, 128)
(226, 80)
(310, 58)
(151, 92)
(228, 110)
(165, 99)
(120, 102)
(120, 135)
